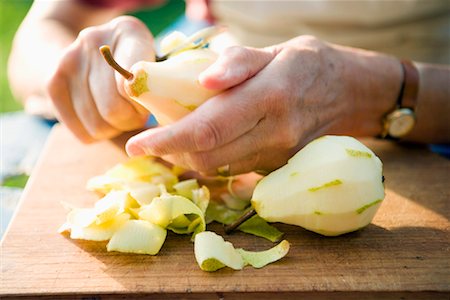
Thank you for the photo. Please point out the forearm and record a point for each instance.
(433, 105)
(371, 84)
(34, 57)
(373, 81)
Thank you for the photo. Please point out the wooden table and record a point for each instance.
(404, 253)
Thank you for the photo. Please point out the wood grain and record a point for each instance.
(403, 253)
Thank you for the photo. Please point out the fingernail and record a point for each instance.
(133, 149)
(216, 70)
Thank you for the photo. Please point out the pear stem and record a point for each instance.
(107, 55)
(231, 227)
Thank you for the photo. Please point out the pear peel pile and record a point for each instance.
(137, 210)
(142, 199)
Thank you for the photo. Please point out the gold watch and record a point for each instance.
(402, 119)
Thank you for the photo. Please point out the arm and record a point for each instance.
(280, 98)
(56, 63)
(48, 28)
(433, 105)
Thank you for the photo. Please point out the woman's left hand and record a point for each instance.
(276, 100)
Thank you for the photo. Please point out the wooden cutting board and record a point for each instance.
(403, 253)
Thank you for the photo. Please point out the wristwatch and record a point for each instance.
(401, 120)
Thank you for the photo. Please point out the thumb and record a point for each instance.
(235, 65)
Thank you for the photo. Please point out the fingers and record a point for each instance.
(40, 105)
(199, 10)
(218, 121)
(118, 111)
(261, 162)
(245, 147)
(58, 90)
(86, 108)
(251, 151)
(234, 66)
(133, 42)
(84, 89)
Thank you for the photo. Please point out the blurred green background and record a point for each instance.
(11, 14)
(13, 11)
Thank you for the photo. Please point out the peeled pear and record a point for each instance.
(169, 89)
(332, 186)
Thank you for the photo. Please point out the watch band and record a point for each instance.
(403, 115)
(410, 86)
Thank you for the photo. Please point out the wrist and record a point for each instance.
(400, 121)
(373, 82)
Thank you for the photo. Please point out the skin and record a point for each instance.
(276, 99)
(279, 98)
(65, 75)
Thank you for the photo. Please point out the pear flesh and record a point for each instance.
(332, 186)
(170, 89)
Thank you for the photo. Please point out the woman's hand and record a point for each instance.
(87, 94)
(277, 99)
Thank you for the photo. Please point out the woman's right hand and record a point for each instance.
(87, 94)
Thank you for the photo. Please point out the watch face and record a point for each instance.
(401, 122)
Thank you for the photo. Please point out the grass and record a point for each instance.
(18, 181)
(12, 13)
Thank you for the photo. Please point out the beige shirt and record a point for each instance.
(413, 29)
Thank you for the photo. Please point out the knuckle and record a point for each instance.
(55, 85)
(102, 131)
(128, 22)
(70, 60)
(200, 162)
(121, 116)
(289, 137)
(236, 53)
(54, 81)
(308, 40)
(206, 136)
(247, 164)
(89, 34)
(253, 161)
(112, 112)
